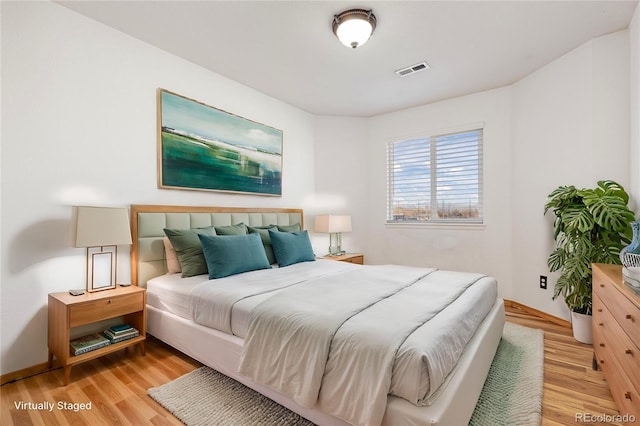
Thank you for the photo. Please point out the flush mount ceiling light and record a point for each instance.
(353, 27)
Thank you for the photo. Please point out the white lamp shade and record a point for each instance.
(331, 223)
(99, 226)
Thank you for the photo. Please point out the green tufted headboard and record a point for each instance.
(148, 221)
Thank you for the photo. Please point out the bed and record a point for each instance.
(240, 345)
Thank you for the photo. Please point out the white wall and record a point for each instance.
(634, 108)
(79, 127)
(565, 124)
(570, 127)
(484, 249)
(341, 178)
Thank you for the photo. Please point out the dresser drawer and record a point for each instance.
(600, 348)
(602, 321)
(623, 310)
(600, 345)
(97, 310)
(355, 259)
(613, 340)
(627, 397)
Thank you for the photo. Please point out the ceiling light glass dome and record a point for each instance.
(354, 27)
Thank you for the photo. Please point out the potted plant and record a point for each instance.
(590, 226)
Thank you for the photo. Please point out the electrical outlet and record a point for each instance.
(543, 282)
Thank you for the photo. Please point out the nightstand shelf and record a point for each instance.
(97, 353)
(347, 257)
(67, 312)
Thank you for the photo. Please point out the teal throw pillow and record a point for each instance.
(291, 247)
(189, 250)
(233, 254)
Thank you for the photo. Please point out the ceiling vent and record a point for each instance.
(413, 69)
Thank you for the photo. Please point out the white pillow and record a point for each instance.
(173, 266)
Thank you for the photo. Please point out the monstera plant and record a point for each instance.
(591, 226)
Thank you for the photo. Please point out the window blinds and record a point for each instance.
(435, 179)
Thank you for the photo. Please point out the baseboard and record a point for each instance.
(559, 321)
(27, 372)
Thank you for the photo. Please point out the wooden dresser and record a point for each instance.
(616, 336)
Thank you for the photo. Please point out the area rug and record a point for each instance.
(512, 394)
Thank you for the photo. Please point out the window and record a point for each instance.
(435, 179)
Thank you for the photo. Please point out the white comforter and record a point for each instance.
(341, 336)
(212, 301)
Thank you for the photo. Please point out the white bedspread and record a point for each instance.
(212, 301)
(361, 333)
(385, 330)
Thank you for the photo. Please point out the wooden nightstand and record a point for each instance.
(67, 311)
(348, 257)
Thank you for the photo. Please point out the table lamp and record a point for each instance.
(100, 230)
(334, 225)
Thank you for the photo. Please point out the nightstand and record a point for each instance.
(347, 257)
(67, 311)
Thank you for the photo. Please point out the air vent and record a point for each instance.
(413, 69)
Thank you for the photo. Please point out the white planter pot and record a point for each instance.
(582, 327)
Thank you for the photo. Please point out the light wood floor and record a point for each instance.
(571, 387)
(116, 385)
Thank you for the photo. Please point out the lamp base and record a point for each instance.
(335, 241)
(101, 268)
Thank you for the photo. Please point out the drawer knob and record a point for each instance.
(601, 324)
(627, 395)
(629, 317)
(109, 301)
(602, 345)
(602, 361)
(600, 310)
(628, 352)
(602, 285)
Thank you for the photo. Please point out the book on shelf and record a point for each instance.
(121, 334)
(88, 343)
(120, 329)
(131, 333)
(122, 338)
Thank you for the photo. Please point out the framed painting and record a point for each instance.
(204, 148)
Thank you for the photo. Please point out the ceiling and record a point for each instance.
(287, 50)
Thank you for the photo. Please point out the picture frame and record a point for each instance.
(204, 148)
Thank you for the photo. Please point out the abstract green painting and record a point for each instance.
(204, 148)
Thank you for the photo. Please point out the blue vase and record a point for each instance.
(634, 247)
